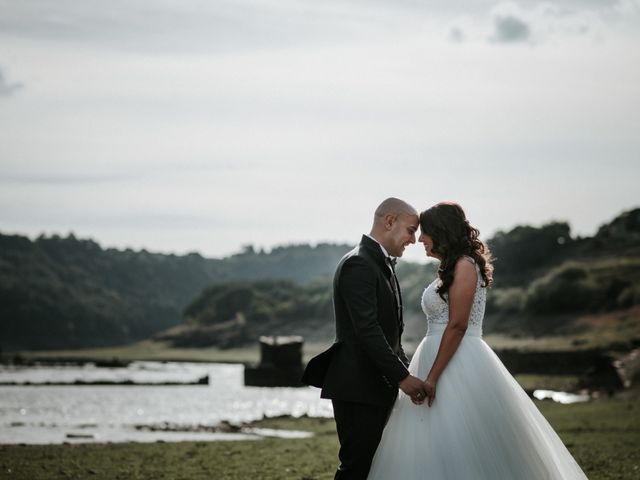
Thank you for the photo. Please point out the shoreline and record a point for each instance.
(535, 370)
(279, 426)
(602, 436)
(204, 381)
(150, 350)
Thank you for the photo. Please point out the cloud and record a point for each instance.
(240, 128)
(65, 179)
(7, 88)
(198, 26)
(510, 29)
(538, 23)
(456, 35)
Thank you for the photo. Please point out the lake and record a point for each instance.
(116, 413)
(34, 414)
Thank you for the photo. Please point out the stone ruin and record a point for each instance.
(280, 363)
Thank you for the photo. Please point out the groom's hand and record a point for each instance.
(414, 387)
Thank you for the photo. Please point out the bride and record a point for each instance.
(476, 422)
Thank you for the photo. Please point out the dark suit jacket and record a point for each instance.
(366, 362)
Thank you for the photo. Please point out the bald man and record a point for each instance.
(364, 368)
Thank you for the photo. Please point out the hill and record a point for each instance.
(68, 293)
(547, 283)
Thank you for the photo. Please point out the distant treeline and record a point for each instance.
(545, 277)
(64, 292)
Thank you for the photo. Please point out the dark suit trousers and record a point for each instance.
(359, 428)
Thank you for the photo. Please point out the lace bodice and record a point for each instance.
(437, 310)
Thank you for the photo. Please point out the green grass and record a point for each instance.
(602, 435)
(262, 459)
(150, 350)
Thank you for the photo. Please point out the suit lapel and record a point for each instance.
(395, 279)
(376, 253)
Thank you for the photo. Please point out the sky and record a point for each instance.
(202, 126)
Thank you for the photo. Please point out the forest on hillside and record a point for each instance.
(544, 280)
(65, 292)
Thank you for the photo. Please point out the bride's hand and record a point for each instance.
(430, 390)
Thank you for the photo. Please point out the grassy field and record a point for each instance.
(150, 350)
(603, 436)
(601, 330)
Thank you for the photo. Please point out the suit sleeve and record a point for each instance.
(358, 290)
(403, 356)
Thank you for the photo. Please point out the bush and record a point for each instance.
(507, 300)
(568, 289)
(629, 297)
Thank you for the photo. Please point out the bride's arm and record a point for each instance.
(461, 294)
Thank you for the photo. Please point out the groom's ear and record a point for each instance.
(389, 220)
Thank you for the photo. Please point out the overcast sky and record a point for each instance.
(186, 125)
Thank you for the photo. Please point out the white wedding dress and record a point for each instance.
(482, 425)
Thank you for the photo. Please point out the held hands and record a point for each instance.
(430, 391)
(415, 388)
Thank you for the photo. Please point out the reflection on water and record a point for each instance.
(137, 372)
(115, 413)
(560, 397)
(56, 414)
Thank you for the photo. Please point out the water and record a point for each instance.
(139, 372)
(115, 413)
(105, 413)
(561, 397)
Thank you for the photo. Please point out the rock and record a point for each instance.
(79, 435)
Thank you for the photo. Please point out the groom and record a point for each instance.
(363, 369)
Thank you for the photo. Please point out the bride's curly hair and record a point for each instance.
(454, 237)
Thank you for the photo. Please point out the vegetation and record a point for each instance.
(69, 293)
(524, 252)
(602, 435)
(260, 302)
(555, 302)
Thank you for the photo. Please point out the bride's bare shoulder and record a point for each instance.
(465, 271)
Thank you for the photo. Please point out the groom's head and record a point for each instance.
(395, 223)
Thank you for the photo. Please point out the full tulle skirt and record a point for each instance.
(482, 425)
